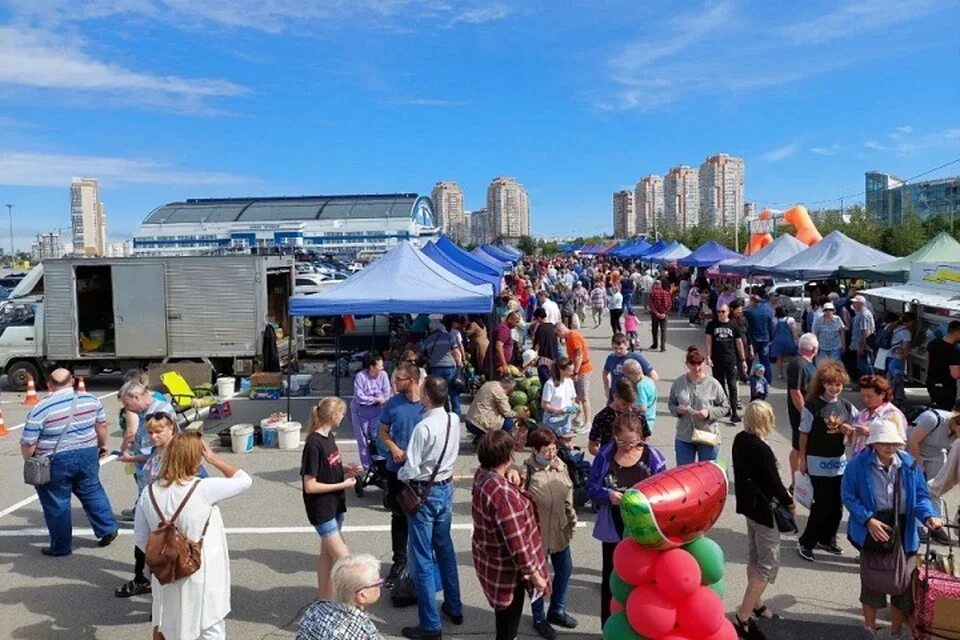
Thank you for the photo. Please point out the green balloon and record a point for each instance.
(709, 556)
(620, 589)
(618, 628)
(718, 587)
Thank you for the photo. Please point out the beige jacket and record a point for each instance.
(552, 492)
(489, 407)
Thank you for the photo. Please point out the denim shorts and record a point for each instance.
(330, 527)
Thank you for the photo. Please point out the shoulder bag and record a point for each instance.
(884, 568)
(782, 518)
(412, 499)
(170, 554)
(36, 469)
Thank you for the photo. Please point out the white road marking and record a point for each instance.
(269, 531)
(104, 460)
(21, 425)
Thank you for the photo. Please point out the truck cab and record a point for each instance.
(21, 340)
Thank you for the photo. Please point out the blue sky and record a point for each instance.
(168, 99)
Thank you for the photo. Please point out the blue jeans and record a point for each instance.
(865, 363)
(448, 374)
(834, 354)
(762, 349)
(562, 562)
(688, 452)
(429, 539)
(75, 472)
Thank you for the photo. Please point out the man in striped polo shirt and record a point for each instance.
(75, 467)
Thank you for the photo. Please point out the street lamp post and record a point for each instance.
(10, 214)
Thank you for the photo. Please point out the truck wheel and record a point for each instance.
(19, 372)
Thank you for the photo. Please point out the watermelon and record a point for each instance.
(514, 371)
(518, 398)
(523, 384)
(675, 507)
(534, 409)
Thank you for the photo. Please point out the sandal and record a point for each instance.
(132, 588)
(760, 611)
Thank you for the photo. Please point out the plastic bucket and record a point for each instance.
(288, 435)
(271, 439)
(241, 438)
(226, 386)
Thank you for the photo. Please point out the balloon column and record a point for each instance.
(667, 579)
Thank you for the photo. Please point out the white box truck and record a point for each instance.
(98, 315)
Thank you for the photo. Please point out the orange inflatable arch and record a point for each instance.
(798, 217)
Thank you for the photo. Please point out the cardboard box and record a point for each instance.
(264, 379)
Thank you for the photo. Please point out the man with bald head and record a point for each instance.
(70, 428)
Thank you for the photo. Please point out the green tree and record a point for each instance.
(527, 244)
(548, 247)
(863, 228)
(906, 237)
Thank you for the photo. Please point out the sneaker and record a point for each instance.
(545, 630)
(831, 548)
(562, 619)
(806, 554)
(127, 515)
(416, 633)
(456, 619)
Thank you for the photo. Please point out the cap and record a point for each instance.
(829, 307)
(884, 432)
(758, 367)
(860, 299)
(528, 357)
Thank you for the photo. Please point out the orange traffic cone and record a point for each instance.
(3, 426)
(31, 398)
(81, 385)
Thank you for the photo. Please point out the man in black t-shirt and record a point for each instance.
(799, 374)
(724, 350)
(943, 368)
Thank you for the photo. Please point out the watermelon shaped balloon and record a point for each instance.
(675, 507)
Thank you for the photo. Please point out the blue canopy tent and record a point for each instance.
(465, 272)
(403, 280)
(465, 258)
(489, 260)
(786, 246)
(516, 253)
(665, 246)
(637, 249)
(672, 254)
(499, 254)
(616, 251)
(656, 247)
(824, 259)
(709, 254)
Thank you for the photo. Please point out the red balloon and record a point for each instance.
(701, 613)
(633, 562)
(725, 632)
(676, 634)
(649, 612)
(677, 574)
(615, 607)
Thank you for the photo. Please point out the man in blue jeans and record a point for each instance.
(70, 428)
(434, 445)
(761, 323)
(863, 326)
(444, 357)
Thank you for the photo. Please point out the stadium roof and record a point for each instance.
(285, 209)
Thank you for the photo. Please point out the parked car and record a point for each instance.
(307, 283)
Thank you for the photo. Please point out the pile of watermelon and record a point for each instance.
(667, 580)
(526, 394)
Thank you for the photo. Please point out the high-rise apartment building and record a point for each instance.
(87, 218)
(480, 227)
(47, 246)
(624, 215)
(447, 199)
(681, 198)
(721, 190)
(648, 202)
(508, 206)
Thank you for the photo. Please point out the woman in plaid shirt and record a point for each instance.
(507, 550)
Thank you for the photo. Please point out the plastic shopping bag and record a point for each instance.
(802, 489)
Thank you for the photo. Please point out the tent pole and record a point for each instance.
(336, 367)
(290, 358)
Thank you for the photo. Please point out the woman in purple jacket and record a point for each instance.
(371, 389)
(619, 465)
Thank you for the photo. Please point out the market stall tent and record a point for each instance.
(672, 254)
(930, 285)
(465, 272)
(498, 254)
(709, 254)
(784, 247)
(465, 258)
(941, 248)
(656, 247)
(489, 260)
(824, 259)
(403, 280)
(516, 253)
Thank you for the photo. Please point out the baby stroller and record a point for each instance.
(376, 474)
(579, 470)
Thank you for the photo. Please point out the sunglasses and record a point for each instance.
(158, 415)
(375, 585)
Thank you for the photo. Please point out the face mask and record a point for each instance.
(540, 460)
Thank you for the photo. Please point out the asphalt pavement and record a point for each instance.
(273, 549)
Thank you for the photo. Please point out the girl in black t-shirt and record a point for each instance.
(324, 487)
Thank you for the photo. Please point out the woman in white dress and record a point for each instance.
(192, 608)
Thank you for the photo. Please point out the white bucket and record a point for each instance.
(226, 387)
(288, 435)
(241, 438)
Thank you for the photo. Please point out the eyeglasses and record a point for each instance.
(158, 415)
(375, 585)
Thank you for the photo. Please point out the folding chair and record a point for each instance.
(184, 398)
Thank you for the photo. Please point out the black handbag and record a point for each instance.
(782, 517)
(459, 384)
(411, 498)
(887, 571)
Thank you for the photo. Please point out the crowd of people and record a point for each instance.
(408, 419)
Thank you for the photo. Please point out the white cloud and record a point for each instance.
(429, 102)
(34, 169)
(832, 150)
(855, 18)
(781, 153)
(903, 142)
(34, 59)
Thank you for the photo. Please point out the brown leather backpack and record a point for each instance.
(170, 555)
